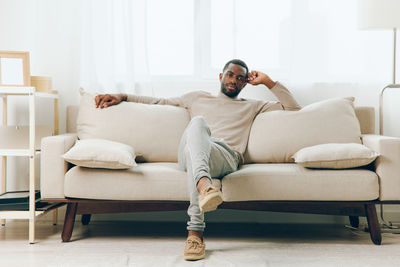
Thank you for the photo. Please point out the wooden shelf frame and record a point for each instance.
(32, 213)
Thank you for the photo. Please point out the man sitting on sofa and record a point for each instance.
(215, 140)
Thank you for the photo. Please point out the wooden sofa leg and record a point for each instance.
(354, 221)
(373, 224)
(69, 221)
(86, 219)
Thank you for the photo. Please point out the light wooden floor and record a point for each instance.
(161, 244)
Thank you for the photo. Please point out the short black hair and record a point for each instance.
(236, 62)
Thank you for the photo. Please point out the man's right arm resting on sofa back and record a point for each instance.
(106, 100)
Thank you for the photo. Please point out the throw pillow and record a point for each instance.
(100, 153)
(276, 135)
(335, 156)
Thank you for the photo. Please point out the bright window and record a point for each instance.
(250, 30)
(170, 37)
(129, 41)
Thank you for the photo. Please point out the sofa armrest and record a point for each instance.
(52, 166)
(387, 165)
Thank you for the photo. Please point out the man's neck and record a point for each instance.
(221, 94)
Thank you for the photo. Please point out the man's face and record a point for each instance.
(233, 80)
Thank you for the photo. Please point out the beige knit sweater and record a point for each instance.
(229, 119)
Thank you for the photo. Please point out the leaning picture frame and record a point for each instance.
(14, 68)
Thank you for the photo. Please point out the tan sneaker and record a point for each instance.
(195, 249)
(209, 198)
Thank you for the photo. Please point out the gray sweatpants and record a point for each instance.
(203, 156)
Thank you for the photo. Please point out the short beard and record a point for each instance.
(228, 93)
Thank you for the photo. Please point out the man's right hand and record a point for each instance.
(104, 101)
(258, 77)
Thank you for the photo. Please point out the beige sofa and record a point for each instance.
(269, 180)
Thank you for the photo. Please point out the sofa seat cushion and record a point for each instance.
(146, 181)
(288, 181)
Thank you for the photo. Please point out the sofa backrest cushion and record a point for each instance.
(168, 123)
(275, 136)
(365, 115)
(154, 131)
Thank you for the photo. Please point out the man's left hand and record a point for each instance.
(258, 77)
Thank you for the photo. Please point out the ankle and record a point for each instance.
(198, 234)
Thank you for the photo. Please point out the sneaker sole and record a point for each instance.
(210, 202)
(194, 257)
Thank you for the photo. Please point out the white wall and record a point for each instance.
(50, 31)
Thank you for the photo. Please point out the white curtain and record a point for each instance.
(297, 41)
(111, 47)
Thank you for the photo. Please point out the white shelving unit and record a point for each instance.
(29, 151)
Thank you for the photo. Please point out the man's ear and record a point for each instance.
(220, 76)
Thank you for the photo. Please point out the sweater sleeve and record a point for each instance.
(173, 101)
(286, 100)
